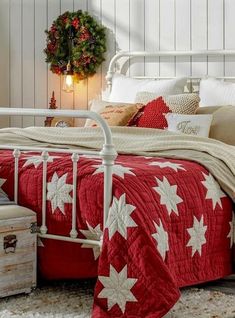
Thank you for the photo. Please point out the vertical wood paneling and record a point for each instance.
(41, 78)
(15, 60)
(229, 40)
(123, 30)
(81, 88)
(53, 10)
(95, 82)
(215, 36)
(4, 58)
(137, 41)
(167, 36)
(67, 99)
(108, 20)
(152, 29)
(199, 35)
(25, 80)
(28, 58)
(182, 36)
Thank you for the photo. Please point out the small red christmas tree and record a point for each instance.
(47, 122)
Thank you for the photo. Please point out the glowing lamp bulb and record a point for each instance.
(68, 83)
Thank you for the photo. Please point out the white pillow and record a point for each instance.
(198, 125)
(214, 92)
(124, 89)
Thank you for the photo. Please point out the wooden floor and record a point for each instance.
(225, 285)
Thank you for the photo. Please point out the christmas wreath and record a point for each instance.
(78, 40)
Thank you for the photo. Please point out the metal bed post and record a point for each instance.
(74, 232)
(108, 154)
(16, 155)
(45, 155)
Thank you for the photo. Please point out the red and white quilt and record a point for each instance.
(169, 225)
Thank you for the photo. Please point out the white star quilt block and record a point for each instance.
(93, 233)
(58, 192)
(119, 218)
(214, 191)
(168, 195)
(231, 234)
(37, 160)
(167, 164)
(197, 236)
(161, 237)
(117, 288)
(118, 170)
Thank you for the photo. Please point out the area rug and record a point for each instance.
(74, 300)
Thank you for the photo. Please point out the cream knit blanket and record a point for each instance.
(216, 156)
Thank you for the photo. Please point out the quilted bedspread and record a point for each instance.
(170, 225)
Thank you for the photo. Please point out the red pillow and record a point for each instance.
(152, 115)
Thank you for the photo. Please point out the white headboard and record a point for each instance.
(205, 53)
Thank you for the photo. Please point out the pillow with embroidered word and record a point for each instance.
(117, 115)
(198, 125)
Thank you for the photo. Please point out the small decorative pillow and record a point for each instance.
(198, 125)
(223, 123)
(117, 115)
(124, 88)
(152, 115)
(180, 104)
(98, 105)
(215, 92)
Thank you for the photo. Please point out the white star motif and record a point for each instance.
(161, 236)
(37, 160)
(168, 194)
(213, 190)
(117, 288)
(167, 164)
(118, 170)
(93, 234)
(59, 192)
(231, 234)
(2, 181)
(197, 236)
(119, 218)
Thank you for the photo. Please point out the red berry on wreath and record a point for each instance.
(75, 23)
(53, 28)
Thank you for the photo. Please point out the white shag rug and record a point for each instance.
(74, 300)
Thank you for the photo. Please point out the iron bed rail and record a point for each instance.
(107, 154)
(197, 53)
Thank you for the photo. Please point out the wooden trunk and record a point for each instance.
(18, 244)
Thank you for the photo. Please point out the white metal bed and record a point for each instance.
(107, 153)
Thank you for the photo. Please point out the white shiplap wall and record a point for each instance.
(132, 25)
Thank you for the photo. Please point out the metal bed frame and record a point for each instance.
(107, 153)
